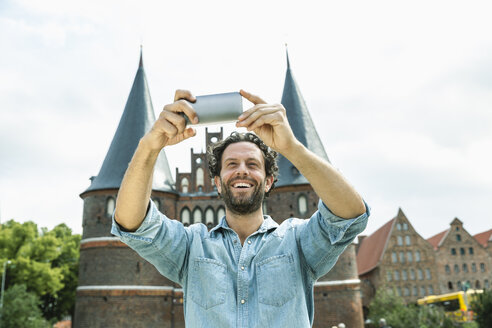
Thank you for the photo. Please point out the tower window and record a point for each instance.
(199, 177)
(197, 215)
(184, 185)
(110, 204)
(302, 205)
(185, 216)
(209, 217)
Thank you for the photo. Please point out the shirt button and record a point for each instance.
(249, 241)
(243, 301)
(234, 241)
(242, 268)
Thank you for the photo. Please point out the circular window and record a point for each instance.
(214, 139)
(198, 160)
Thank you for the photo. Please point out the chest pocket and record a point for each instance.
(208, 287)
(276, 280)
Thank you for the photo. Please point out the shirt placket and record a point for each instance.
(243, 283)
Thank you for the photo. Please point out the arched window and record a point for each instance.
(447, 269)
(420, 274)
(456, 268)
(465, 267)
(477, 284)
(430, 289)
(398, 289)
(302, 205)
(470, 250)
(406, 291)
(458, 237)
(404, 275)
(402, 257)
(482, 267)
(220, 213)
(199, 177)
(197, 215)
(474, 267)
(209, 217)
(110, 203)
(422, 291)
(185, 216)
(450, 285)
(428, 274)
(399, 240)
(412, 274)
(409, 257)
(398, 226)
(407, 240)
(415, 291)
(184, 185)
(405, 226)
(397, 275)
(394, 258)
(389, 275)
(417, 256)
(462, 251)
(453, 251)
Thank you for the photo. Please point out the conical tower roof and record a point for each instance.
(138, 117)
(303, 128)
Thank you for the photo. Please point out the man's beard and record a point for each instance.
(242, 205)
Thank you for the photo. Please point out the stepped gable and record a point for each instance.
(484, 238)
(303, 128)
(372, 248)
(137, 118)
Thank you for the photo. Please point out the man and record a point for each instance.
(248, 271)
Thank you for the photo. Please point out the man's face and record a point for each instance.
(242, 183)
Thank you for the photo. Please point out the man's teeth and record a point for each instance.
(241, 185)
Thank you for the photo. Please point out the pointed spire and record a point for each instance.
(140, 64)
(287, 55)
(302, 126)
(136, 120)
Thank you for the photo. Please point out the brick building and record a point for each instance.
(460, 259)
(396, 257)
(117, 288)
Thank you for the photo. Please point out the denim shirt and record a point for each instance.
(267, 282)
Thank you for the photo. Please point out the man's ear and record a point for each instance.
(218, 184)
(268, 183)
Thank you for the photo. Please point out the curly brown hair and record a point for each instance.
(215, 151)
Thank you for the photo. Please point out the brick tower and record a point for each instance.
(117, 288)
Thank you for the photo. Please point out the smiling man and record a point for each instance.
(248, 271)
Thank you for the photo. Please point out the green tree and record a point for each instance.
(482, 306)
(398, 315)
(45, 261)
(21, 309)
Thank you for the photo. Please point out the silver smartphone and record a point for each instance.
(217, 108)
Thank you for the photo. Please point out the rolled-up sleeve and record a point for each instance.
(325, 237)
(161, 241)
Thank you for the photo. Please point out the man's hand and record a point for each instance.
(269, 122)
(170, 127)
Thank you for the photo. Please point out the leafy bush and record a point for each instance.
(482, 306)
(21, 309)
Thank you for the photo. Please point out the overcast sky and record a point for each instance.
(400, 93)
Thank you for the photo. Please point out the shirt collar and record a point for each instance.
(268, 224)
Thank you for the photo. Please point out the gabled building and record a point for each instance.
(485, 239)
(460, 259)
(117, 288)
(397, 258)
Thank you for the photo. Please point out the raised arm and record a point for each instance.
(269, 122)
(168, 129)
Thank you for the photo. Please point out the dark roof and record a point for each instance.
(484, 237)
(303, 128)
(138, 117)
